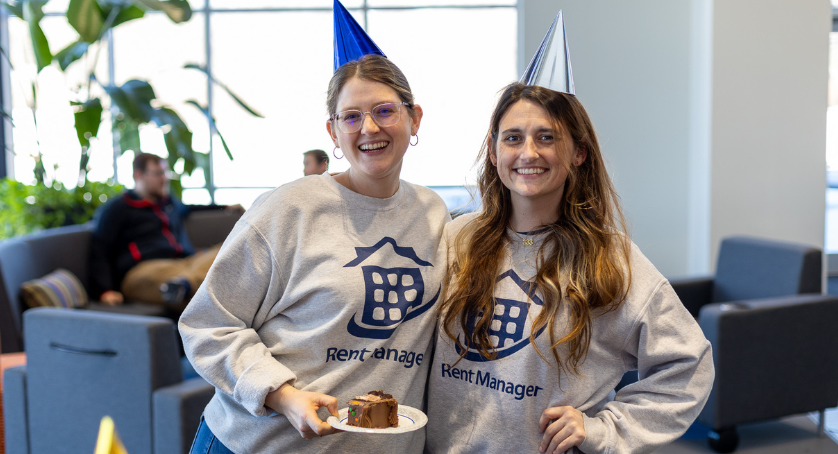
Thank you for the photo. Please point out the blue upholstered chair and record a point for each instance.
(774, 334)
(83, 365)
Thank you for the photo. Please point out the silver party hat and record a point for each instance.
(550, 66)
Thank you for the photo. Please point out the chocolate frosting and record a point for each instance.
(376, 410)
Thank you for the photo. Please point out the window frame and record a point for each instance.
(208, 13)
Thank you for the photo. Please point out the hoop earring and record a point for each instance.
(335, 154)
(417, 140)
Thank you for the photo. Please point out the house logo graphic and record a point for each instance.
(508, 329)
(392, 295)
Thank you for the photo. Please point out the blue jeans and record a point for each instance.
(206, 443)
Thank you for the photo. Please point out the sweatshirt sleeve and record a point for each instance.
(675, 368)
(219, 325)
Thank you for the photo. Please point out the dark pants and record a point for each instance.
(206, 443)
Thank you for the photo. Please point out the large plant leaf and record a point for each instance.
(177, 10)
(166, 116)
(71, 53)
(176, 188)
(227, 89)
(178, 131)
(6, 57)
(129, 134)
(183, 143)
(87, 18)
(6, 115)
(127, 13)
(88, 117)
(202, 161)
(43, 56)
(189, 166)
(133, 98)
(32, 14)
(125, 104)
(211, 120)
(37, 5)
(178, 139)
(15, 8)
(139, 90)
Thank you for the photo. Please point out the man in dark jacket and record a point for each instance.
(139, 246)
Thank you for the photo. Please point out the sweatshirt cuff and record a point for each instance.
(261, 378)
(596, 436)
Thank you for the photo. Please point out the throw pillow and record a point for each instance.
(60, 288)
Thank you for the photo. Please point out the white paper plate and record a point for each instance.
(410, 419)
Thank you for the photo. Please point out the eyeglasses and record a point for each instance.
(385, 114)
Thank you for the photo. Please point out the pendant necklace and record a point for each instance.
(525, 240)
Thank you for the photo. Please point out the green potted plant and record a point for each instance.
(135, 100)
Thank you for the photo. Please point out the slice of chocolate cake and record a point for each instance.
(374, 410)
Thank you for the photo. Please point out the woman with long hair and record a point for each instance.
(549, 303)
(324, 289)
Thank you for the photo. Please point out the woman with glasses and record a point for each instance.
(550, 303)
(326, 288)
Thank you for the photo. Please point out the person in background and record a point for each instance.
(315, 162)
(139, 248)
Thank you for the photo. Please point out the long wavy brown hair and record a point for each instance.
(587, 245)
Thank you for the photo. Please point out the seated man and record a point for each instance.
(140, 250)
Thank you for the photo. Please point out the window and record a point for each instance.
(831, 240)
(277, 56)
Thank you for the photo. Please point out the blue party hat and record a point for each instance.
(351, 41)
(550, 66)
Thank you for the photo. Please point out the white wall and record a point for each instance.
(631, 67)
(770, 70)
(677, 92)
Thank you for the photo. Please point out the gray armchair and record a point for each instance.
(751, 268)
(774, 335)
(83, 365)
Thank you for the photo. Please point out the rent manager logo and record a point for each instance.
(393, 295)
(508, 330)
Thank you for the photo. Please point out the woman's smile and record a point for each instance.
(530, 171)
(377, 147)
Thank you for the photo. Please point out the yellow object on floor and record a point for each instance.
(108, 441)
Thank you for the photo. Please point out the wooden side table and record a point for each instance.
(6, 361)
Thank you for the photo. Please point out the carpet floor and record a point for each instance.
(793, 435)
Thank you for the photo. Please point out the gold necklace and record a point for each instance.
(526, 241)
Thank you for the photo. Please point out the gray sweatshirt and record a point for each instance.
(477, 405)
(328, 290)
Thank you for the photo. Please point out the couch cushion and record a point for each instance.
(60, 288)
(62, 247)
(210, 227)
